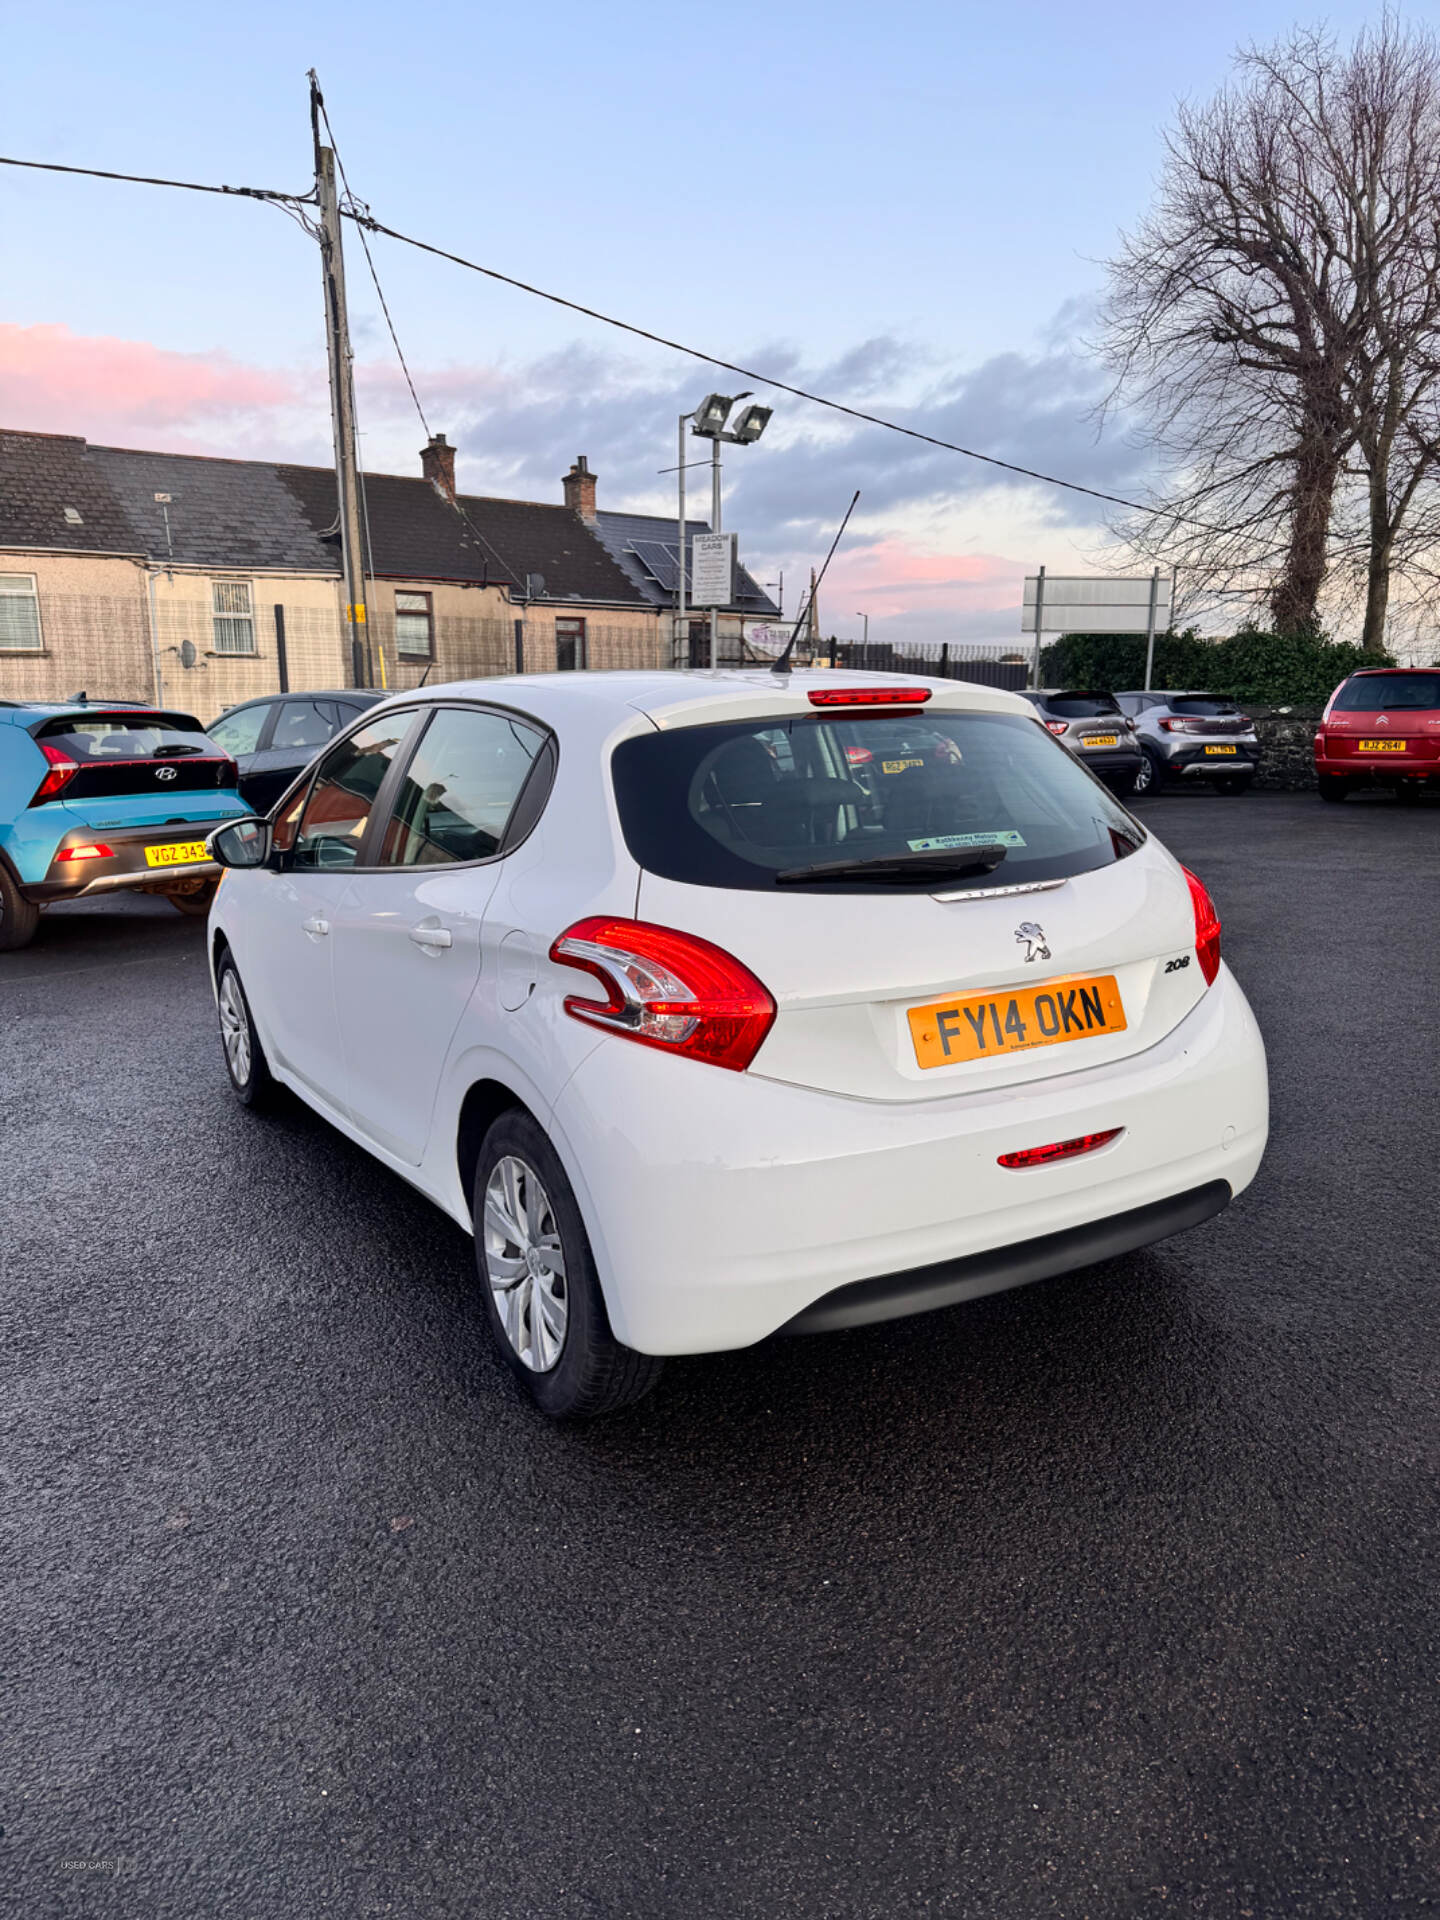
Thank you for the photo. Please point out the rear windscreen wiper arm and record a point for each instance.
(941, 864)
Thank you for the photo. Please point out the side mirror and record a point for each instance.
(243, 843)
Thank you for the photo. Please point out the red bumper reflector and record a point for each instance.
(97, 850)
(869, 696)
(1060, 1149)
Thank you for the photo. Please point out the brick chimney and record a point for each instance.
(579, 485)
(437, 463)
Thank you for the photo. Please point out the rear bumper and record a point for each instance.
(1192, 759)
(721, 1207)
(127, 867)
(1109, 759)
(1378, 769)
(976, 1274)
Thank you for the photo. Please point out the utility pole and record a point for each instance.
(342, 398)
(715, 528)
(681, 655)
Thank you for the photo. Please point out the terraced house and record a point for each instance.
(198, 582)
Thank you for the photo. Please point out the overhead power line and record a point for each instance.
(152, 180)
(362, 219)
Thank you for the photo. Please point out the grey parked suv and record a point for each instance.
(1201, 736)
(1095, 730)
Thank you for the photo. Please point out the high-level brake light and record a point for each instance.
(869, 696)
(668, 990)
(1207, 928)
(1060, 1149)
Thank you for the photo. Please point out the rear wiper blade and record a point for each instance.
(940, 864)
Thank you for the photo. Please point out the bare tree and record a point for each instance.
(1276, 320)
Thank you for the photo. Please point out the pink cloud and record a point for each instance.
(891, 577)
(56, 381)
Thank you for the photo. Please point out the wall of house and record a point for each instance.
(94, 629)
(96, 625)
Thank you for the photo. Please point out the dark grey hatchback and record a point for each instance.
(274, 738)
(1091, 724)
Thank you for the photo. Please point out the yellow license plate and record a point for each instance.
(899, 766)
(1381, 746)
(179, 853)
(1220, 749)
(980, 1026)
(1102, 739)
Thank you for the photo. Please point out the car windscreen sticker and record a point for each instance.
(1001, 837)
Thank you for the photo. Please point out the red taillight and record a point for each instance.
(869, 696)
(1207, 929)
(1057, 726)
(61, 772)
(1060, 1149)
(857, 756)
(96, 850)
(666, 989)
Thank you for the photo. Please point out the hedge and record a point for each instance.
(1264, 668)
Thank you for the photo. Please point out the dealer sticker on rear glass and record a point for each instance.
(1002, 837)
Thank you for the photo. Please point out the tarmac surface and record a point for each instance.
(1113, 1596)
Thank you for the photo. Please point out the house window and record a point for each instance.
(234, 616)
(569, 644)
(19, 614)
(414, 626)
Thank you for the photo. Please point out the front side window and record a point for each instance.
(414, 626)
(343, 793)
(569, 644)
(19, 614)
(1388, 692)
(460, 789)
(761, 805)
(234, 616)
(302, 726)
(240, 732)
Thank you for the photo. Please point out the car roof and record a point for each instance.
(685, 696)
(22, 712)
(366, 695)
(1173, 693)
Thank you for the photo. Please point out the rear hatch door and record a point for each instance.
(147, 760)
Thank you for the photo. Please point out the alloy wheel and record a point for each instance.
(234, 1027)
(525, 1263)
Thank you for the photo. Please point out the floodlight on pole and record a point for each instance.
(708, 423)
(749, 425)
(711, 414)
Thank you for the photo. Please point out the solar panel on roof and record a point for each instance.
(659, 561)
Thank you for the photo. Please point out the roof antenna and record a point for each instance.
(782, 665)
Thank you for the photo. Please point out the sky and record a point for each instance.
(906, 208)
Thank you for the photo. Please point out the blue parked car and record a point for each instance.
(96, 796)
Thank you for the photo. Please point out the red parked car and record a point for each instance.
(1381, 729)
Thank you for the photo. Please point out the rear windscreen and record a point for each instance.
(1202, 705)
(1079, 706)
(735, 805)
(1388, 692)
(127, 736)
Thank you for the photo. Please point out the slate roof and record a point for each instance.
(619, 531)
(240, 514)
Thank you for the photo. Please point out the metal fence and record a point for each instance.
(173, 646)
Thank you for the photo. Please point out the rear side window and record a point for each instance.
(343, 794)
(460, 789)
(1080, 706)
(1202, 705)
(127, 736)
(1388, 692)
(240, 732)
(735, 805)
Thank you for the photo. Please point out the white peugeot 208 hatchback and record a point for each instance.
(717, 1005)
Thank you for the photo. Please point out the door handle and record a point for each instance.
(432, 937)
(315, 926)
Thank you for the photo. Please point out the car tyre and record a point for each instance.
(1149, 775)
(538, 1281)
(1122, 785)
(196, 903)
(245, 1062)
(19, 917)
(1333, 786)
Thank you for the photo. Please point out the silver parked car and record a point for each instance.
(1200, 736)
